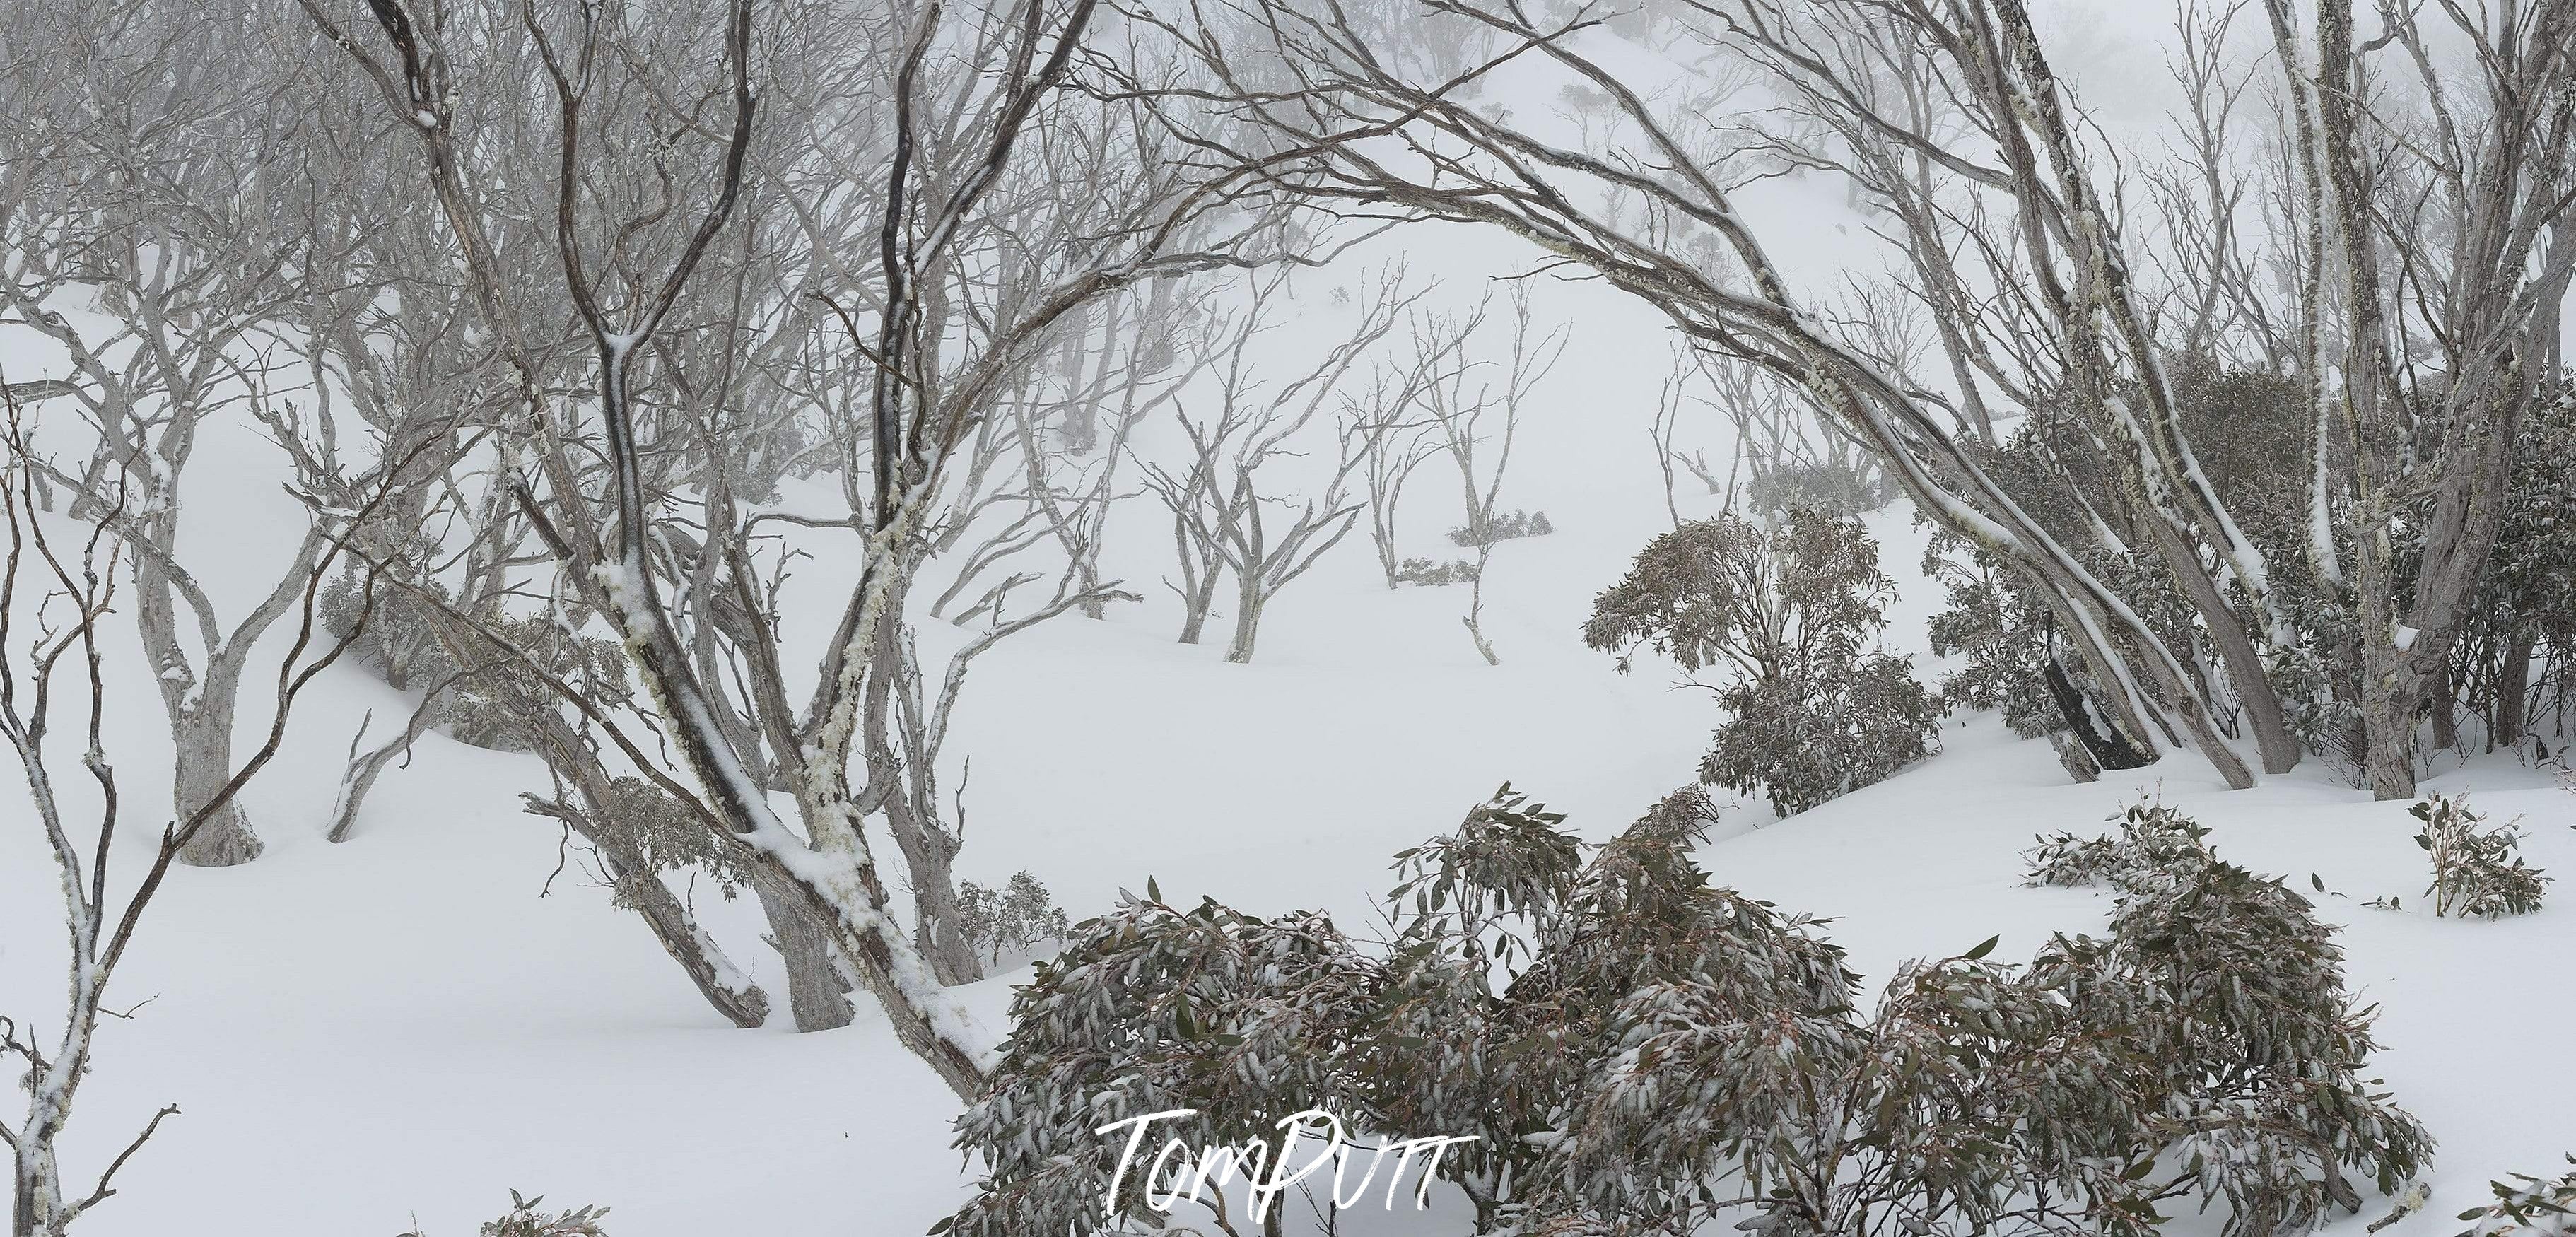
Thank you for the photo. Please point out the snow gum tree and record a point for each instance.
(53, 597)
(921, 301)
(1790, 610)
(152, 258)
(2445, 170)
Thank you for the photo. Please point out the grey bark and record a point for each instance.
(640, 889)
(359, 778)
(817, 991)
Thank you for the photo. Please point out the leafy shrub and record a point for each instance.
(489, 706)
(1150, 1009)
(1789, 611)
(1803, 742)
(1841, 487)
(524, 1220)
(397, 643)
(2535, 1208)
(2233, 992)
(1425, 572)
(1999, 633)
(2153, 839)
(1637, 1050)
(2476, 873)
(1971, 1100)
(1017, 916)
(1501, 527)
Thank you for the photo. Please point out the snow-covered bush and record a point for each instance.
(1815, 711)
(524, 1220)
(1640, 916)
(1973, 1101)
(2229, 987)
(1016, 916)
(1502, 526)
(667, 834)
(1804, 741)
(1152, 1008)
(1244, 1019)
(2522, 674)
(2245, 1015)
(1637, 1050)
(2153, 839)
(1997, 630)
(1842, 486)
(488, 706)
(2535, 1208)
(2476, 872)
(397, 642)
(1425, 572)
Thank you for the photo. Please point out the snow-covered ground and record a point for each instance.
(400, 1029)
(411, 1024)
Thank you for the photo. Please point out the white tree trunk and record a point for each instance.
(202, 761)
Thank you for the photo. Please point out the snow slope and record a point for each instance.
(410, 1024)
(401, 1029)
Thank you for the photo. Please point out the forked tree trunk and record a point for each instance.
(359, 778)
(938, 929)
(928, 850)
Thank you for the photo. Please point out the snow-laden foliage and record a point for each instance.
(524, 1220)
(1807, 740)
(1836, 485)
(1014, 917)
(1425, 572)
(1996, 635)
(2252, 435)
(2153, 838)
(669, 836)
(1636, 1050)
(2514, 672)
(491, 688)
(2530, 587)
(2534, 1208)
(1972, 1101)
(398, 642)
(487, 706)
(1502, 526)
(2233, 991)
(1151, 1008)
(2476, 870)
(1814, 710)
